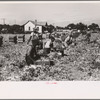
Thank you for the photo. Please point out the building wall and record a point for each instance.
(29, 26)
(39, 28)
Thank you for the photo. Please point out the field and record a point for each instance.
(80, 63)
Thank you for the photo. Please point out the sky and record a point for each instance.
(59, 14)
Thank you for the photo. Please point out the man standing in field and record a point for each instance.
(35, 41)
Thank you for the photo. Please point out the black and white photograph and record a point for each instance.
(49, 41)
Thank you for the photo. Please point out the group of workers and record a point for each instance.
(47, 44)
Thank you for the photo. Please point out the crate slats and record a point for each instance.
(13, 39)
(21, 39)
(17, 39)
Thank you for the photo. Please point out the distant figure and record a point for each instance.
(63, 37)
(59, 46)
(52, 42)
(48, 35)
(35, 41)
(40, 41)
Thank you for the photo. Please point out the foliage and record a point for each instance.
(78, 26)
(50, 28)
(15, 29)
(71, 26)
(81, 26)
(1, 27)
(93, 26)
(59, 27)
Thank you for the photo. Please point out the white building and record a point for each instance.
(30, 25)
(39, 27)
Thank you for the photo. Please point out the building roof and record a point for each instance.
(29, 21)
(38, 23)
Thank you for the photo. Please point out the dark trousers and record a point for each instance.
(33, 52)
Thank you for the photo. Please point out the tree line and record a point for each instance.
(13, 29)
(19, 29)
(81, 26)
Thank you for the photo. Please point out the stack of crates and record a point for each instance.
(21, 39)
(13, 39)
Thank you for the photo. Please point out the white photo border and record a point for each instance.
(49, 90)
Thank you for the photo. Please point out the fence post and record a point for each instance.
(15, 39)
(1, 40)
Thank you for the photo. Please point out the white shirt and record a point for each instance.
(47, 45)
(67, 38)
(32, 33)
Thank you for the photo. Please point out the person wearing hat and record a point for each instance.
(35, 40)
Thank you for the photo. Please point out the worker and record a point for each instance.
(46, 49)
(68, 40)
(35, 41)
(52, 43)
(59, 46)
(40, 41)
(63, 37)
(48, 44)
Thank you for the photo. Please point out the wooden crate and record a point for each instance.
(13, 39)
(21, 39)
(44, 62)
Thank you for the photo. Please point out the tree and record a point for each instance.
(59, 27)
(80, 26)
(46, 24)
(93, 26)
(15, 29)
(71, 26)
(5, 28)
(50, 28)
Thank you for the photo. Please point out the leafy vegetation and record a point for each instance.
(81, 62)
